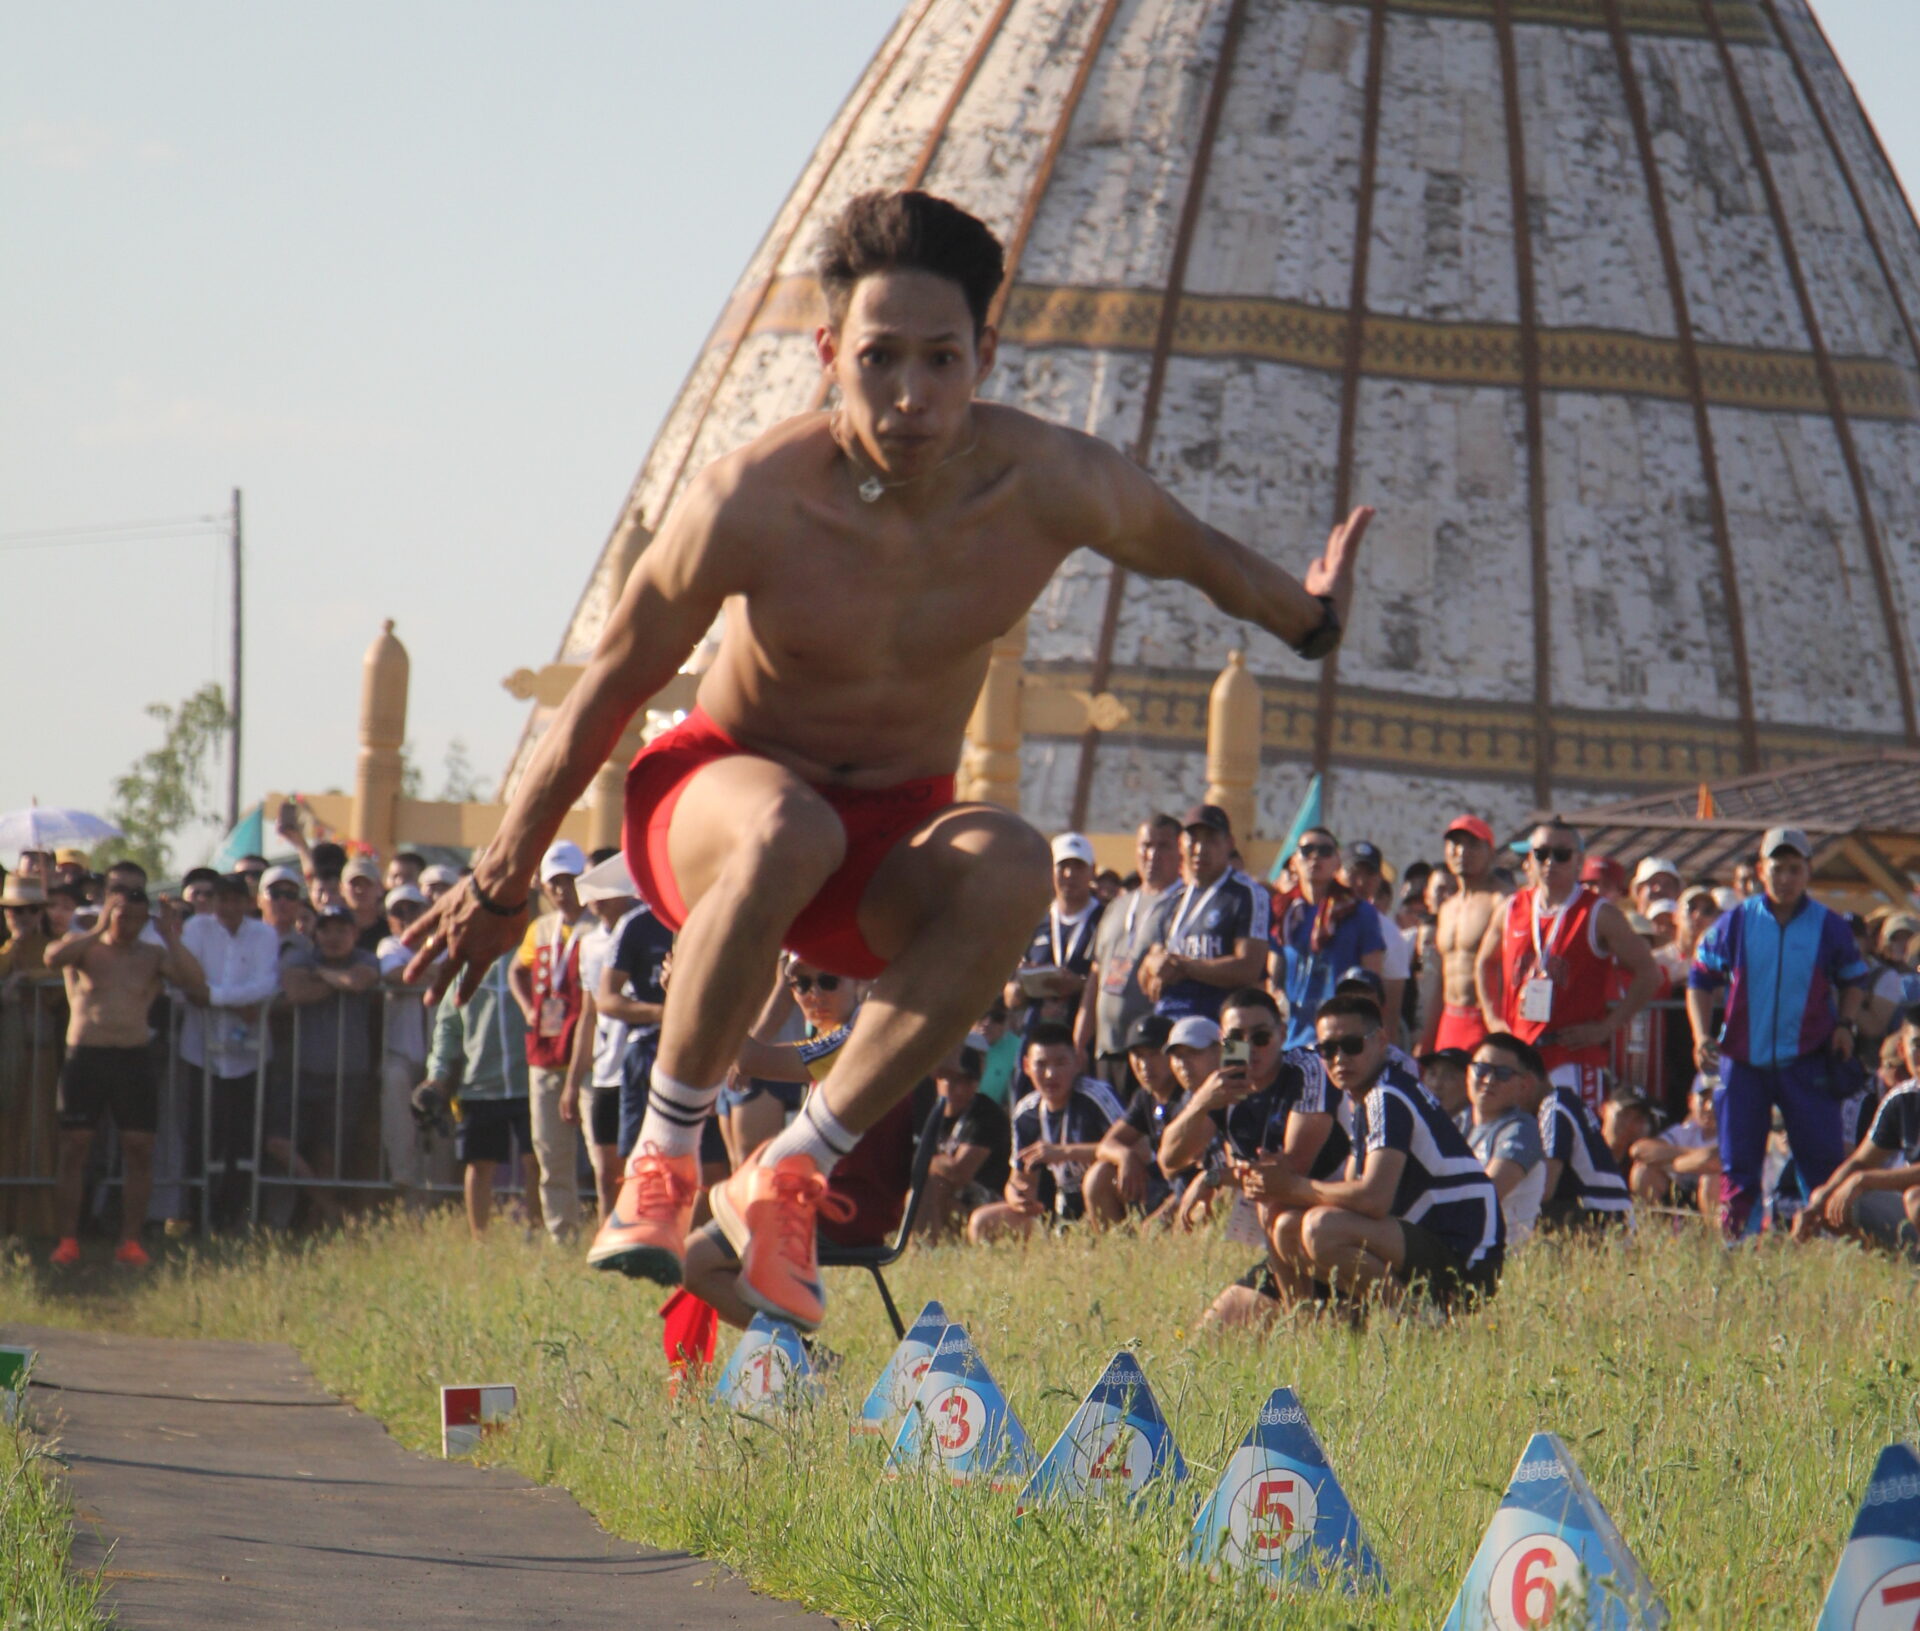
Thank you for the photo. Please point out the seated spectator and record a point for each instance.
(403, 1058)
(1873, 1196)
(1057, 1127)
(1418, 1214)
(1680, 1166)
(976, 1145)
(1444, 1075)
(1127, 1177)
(331, 987)
(756, 1102)
(1626, 1117)
(1505, 1077)
(477, 1065)
(1584, 1186)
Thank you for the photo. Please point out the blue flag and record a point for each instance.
(1116, 1444)
(1307, 816)
(892, 1395)
(247, 838)
(1878, 1581)
(769, 1373)
(961, 1420)
(1278, 1508)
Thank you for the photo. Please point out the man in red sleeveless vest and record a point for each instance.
(1547, 966)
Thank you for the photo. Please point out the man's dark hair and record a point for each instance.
(69, 891)
(329, 857)
(1160, 821)
(915, 232)
(232, 883)
(249, 860)
(412, 857)
(968, 1063)
(124, 870)
(1350, 1006)
(1555, 823)
(1050, 1033)
(129, 892)
(1252, 996)
(1323, 832)
(594, 859)
(199, 874)
(1524, 1054)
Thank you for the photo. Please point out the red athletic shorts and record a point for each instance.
(1459, 1028)
(827, 931)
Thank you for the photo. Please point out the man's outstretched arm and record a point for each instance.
(674, 593)
(1145, 529)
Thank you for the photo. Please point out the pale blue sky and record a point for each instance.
(422, 278)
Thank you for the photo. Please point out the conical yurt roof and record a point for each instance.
(1608, 305)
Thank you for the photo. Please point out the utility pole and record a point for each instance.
(233, 696)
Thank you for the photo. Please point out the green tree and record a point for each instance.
(459, 784)
(171, 786)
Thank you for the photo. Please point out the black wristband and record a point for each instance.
(489, 904)
(1321, 640)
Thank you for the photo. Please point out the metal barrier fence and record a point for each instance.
(321, 1105)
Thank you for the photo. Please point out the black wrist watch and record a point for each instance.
(1324, 637)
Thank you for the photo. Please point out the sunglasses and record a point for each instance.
(803, 983)
(284, 891)
(1334, 1047)
(1493, 1073)
(1262, 1038)
(1318, 852)
(1543, 853)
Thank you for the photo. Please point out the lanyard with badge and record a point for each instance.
(1536, 996)
(1061, 1168)
(1189, 907)
(1062, 958)
(1117, 970)
(553, 1006)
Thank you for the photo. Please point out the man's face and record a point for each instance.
(1704, 1116)
(1468, 856)
(1153, 1070)
(1192, 1066)
(956, 1087)
(1661, 886)
(1318, 860)
(125, 917)
(23, 921)
(1898, 949)
(1703, 911)
(1496, 1083)
(434, 889)
(363, 894)
(565, 890)
(230, 907)
(1204, 853)
(401, 872)
(283, 906)
(60, 912)
(72, 872)
(1362, 878)
(1623, 1126)
(1349, 1067)
(199, 898)
(252, 875)
(1784, 876)
(1553, 860)
(333, 938)
(1442, 886)
(402, 915)
(907, 364)
(1156, 851)
(1746, 880)
(1910, 1049)
(827, 1000)
(1263, 1036)
(613, 908)
(1072, 882)
(1050, 1067)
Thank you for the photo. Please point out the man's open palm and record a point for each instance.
(1332, 573)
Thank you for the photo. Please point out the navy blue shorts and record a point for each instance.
(488, 1127)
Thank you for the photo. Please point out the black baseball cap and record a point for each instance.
(1207, 815)
(1149, 1031)
(335, 914)
(1362, 980)
(1368, 855)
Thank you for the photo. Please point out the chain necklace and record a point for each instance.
(873, 489)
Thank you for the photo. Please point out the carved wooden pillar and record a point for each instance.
(383, 730)
(1235, 719)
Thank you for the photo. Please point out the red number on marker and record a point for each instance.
(958, 1428)
(1100, 1469)
(764, 1360)
(1267, 1504)
(1523, 1590)
(1893, 1596)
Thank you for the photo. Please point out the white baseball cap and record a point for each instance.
(1654, 866)
(1193, 1031)
(610, 880)
(401, 893)
(564, 860)
(282, 874)
(1662, 908)
(1072, 846)
(440, 874)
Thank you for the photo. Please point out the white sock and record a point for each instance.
(815, 1132)
(675, 1114)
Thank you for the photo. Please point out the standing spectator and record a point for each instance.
(1460, 925)
(113, 976)
(226, 1037)
(1217, 923)
(477, 1062)
(360, 878)
(283, 901)
(331, 985)
(1874, 1194)
(1546, 970)
(970, 1168)
(403, 1051)
(1000, 1066)
(545, 980)
(436, 881)
(32, 1022)
(1795, 982)
(1326, 931)
(1429, 967)
(403, 871)
(1655, 879)
(1052, 977)
(1363, 874)
(592, 1095)
(1131, 927)
(1506, 1076)
(250, 869)
(196, 888)
(633, 992)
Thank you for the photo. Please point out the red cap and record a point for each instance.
(1603, 869)
(1471, 824)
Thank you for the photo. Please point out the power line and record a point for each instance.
(186, 526)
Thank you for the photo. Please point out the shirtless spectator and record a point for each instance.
(112, 977)
(1505, 1079)
(1460, 925)
(1131, 927)
(1546, 970)
(1057, 1129)
(1127, 1177)
(1874, 1194)
(1680, 1166)
(1051, 981)
(970, 1168)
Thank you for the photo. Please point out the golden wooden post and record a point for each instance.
(606, 806)
(383, 729)
(1234, 722)
(990, 766)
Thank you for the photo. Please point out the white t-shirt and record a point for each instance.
(1397, 964)
(610, 1036)
(406, 1010)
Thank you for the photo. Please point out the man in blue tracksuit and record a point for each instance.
(1794, 981)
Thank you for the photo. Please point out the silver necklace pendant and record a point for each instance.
(872, 490)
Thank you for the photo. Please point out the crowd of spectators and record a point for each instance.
(1375, 1077)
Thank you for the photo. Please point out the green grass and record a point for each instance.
(1726, 1407)
(37, 1590)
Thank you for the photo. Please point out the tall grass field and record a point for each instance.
(1727, 1407)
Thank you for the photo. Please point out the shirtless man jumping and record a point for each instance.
(112, 978)
(1457, 934)
(866, 559)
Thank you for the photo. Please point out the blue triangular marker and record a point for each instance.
(1279, 1508)
(1551, 1546)
(961, 1420)
(1878, 1581)
(1116, 1443)
(769, 1372)
(893, 1393)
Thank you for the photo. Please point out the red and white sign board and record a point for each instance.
(468, 1414)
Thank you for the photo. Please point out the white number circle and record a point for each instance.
(765, 1374)
(1535, 1582)
(906, 1381)
(954, 1417)
(1892, 1602)
(1271, 1513)
(1111, 1455)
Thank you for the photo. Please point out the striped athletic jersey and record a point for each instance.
(1089, 1112)
(1443, 1188)
(1571, 1135)
(1300, 1088)
(1896, 1126)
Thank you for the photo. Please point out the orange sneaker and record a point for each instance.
(769, 1214)
(66, 1254)
(132, 1255)
(645, 1234)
